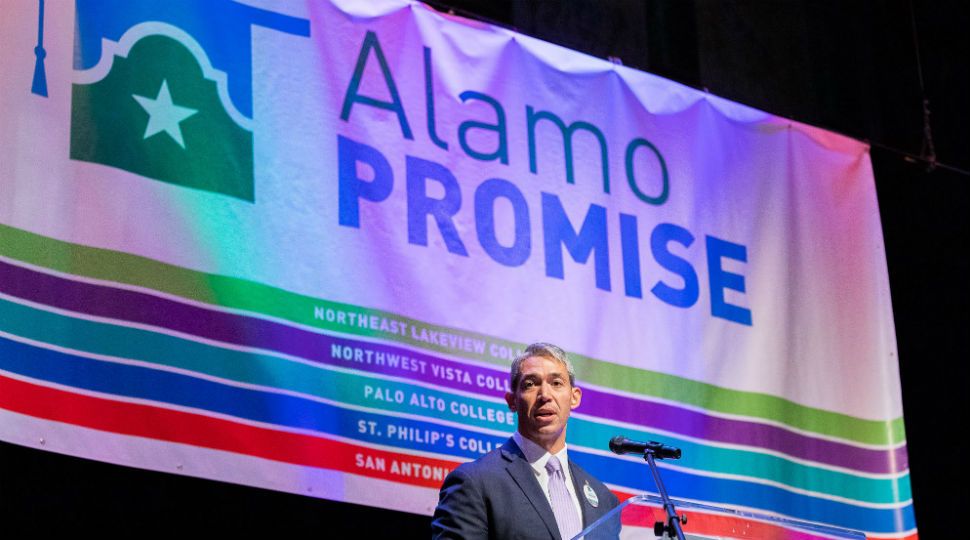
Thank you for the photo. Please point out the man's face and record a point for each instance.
(543, 400)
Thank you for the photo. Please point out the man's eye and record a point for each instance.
(557, 383)
(528, 384)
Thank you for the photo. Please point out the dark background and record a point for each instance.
(854, 67)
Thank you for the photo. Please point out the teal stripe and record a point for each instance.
(271, 371)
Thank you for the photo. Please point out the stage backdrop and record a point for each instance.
(296, 246)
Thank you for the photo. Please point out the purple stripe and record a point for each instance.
(104, 301)
(694, 424)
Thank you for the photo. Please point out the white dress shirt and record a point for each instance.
(537, 458)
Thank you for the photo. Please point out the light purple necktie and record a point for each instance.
(569, 522)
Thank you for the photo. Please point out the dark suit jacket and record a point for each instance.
(497, 497)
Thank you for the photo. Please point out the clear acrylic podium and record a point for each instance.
(635, 517)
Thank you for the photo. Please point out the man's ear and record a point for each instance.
(576, 397)
(510, 399)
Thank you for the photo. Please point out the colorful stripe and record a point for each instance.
(273, 371)
(213, 354)
(143, 308)
(178, 389)
(208, 432)
(710, 524)
(261, 299)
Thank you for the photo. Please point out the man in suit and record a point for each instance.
(528, 488)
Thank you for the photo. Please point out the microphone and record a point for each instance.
(622, 445)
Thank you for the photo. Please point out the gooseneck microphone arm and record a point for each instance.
(652, 451)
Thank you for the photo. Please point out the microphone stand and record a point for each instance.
(673, 520)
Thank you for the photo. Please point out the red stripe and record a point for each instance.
(716, 525)
(207, 432)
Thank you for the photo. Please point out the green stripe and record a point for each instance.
(265, 370)
(255, 297)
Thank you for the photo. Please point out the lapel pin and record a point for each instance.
(591, 497)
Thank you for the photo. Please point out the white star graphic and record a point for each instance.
(163, 115)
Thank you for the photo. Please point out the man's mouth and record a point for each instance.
(543, 415)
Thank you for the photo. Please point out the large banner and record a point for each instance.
(296, 247)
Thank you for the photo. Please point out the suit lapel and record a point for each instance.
(578, 479)
(525, 478)
(581, 480)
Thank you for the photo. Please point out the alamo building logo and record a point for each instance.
(163, 89)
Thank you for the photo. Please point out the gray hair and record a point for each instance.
(542, 350)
